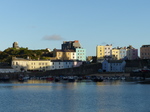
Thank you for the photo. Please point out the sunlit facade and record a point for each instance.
(132, 53)
(145, 52)
(19, 64)
(103, 51)
(115, 53)
(64, 54)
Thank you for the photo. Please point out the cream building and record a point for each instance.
(19, 64)
(64, 54)
(115, 54)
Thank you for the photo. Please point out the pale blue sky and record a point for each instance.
(40, 24)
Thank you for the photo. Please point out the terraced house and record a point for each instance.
(145, 52)
(103, 52)
(119, 53)
(20, 64)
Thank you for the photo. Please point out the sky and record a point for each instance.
(41, 24)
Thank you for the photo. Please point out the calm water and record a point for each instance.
(43, 96)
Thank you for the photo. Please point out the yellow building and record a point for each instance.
(115, 54)
(100, 52)
(103, 51)
(64, 54)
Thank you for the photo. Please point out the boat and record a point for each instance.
(20, 78)
(5, 78)
(50, 78)
(97, 79)
(65, 78)
(26, 77)
(57, 79)
(71, 79)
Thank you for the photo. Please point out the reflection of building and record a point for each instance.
(15, 45)
(145, 52)
(20, 64)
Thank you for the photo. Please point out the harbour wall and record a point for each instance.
(46, 74)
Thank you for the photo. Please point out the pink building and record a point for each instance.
(132, 53)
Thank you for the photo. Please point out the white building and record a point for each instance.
(113, 65)
(62, 64)
(6, 70)
(20, 64)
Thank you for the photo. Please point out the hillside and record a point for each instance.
(7, 54)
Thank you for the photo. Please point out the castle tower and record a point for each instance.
(15, 45)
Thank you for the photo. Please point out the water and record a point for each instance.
(43, 96)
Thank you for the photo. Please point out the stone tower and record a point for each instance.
(15, 45)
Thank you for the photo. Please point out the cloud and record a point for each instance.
(52, 37)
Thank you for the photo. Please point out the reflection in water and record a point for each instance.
(46, 96)
(115, 82)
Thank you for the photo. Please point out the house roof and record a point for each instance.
(68, 50)
(65, 61)
(115, 61)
